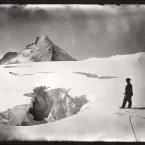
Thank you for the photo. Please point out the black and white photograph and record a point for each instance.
(72, 72)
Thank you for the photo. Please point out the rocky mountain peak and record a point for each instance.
(43, 49)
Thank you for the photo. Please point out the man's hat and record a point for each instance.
(128, 79)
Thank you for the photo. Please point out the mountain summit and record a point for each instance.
(42, 50)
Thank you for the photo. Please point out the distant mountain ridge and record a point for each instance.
(138, 55)
(42, 50)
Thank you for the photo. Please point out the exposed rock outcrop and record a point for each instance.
(8, 56)
(42, 104)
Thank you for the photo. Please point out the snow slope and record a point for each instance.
(100, 118)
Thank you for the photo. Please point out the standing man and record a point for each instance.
(128, 94)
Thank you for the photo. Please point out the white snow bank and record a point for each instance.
(97, 119)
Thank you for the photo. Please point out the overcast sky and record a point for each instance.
(82, 31)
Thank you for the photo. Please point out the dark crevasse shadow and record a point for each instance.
(36, 72)
(26, 74)
(44, 72)
(106, 77)
(14, 66)
(142, 108)
(17, 74)
(96, 76)
(88, 74)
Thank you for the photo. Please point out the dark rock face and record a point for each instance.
(8, 56)
(42, 50)
(42, 104)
